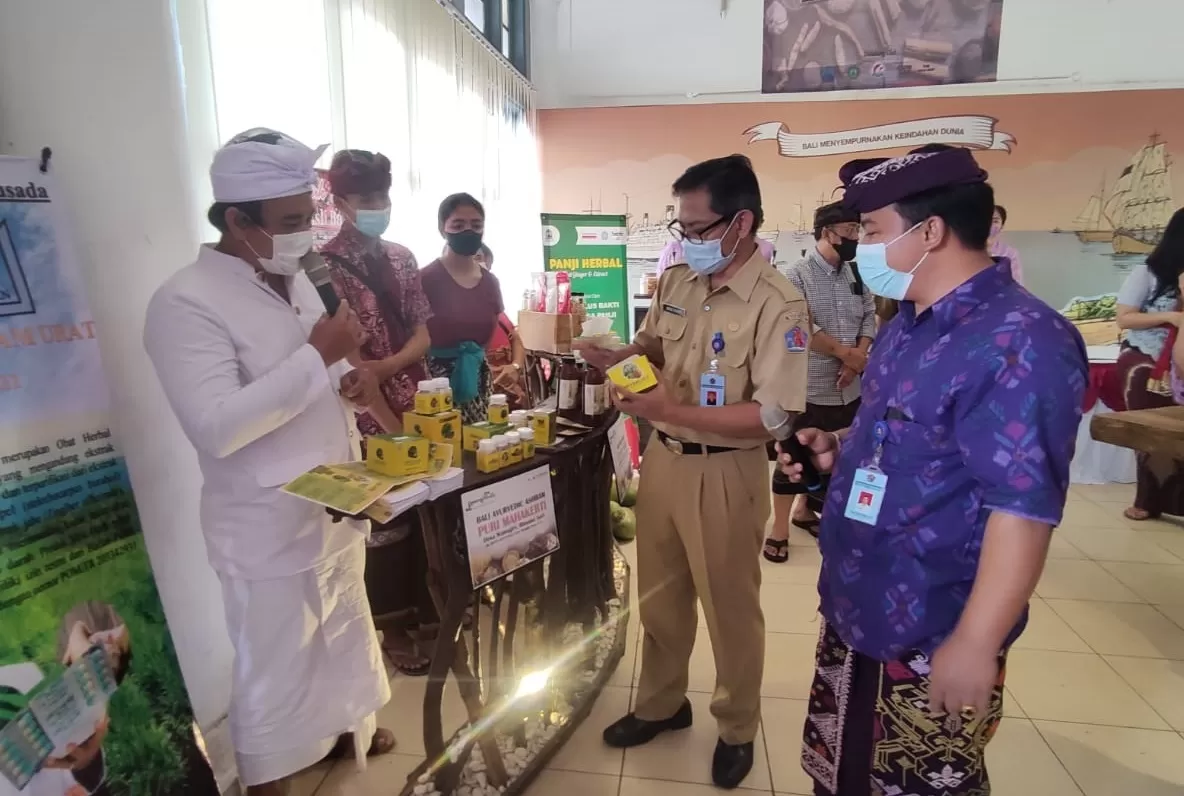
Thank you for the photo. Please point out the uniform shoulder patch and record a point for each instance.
(796, 340)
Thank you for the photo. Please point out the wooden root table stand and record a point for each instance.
(1159, 432)
(563, 616)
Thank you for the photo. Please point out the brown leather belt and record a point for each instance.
(690, 448)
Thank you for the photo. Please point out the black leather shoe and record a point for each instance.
(632, 731)
(731, 764)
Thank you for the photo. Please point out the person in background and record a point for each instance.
(380, 280)
(844, 319)
(1001, 248)
(1149, 310)
(943, 500)
(466, 303)
(257, 383)
(672, 254)
(504, 352)
(1177, 368)
(727, 313)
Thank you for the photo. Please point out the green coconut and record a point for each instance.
(624, 523)
(630, 499)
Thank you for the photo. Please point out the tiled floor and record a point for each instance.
(1096, 685)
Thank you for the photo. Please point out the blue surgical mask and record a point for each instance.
(707, 257)
(372, 223)
(881, 278)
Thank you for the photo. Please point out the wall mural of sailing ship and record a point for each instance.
(1133, 213)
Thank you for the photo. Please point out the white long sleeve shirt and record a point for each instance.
(260, 407)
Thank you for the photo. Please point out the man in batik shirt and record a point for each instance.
(380, 280)
(943, 499)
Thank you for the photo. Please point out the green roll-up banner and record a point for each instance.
(592, 250)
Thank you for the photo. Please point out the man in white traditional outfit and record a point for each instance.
(258, 379)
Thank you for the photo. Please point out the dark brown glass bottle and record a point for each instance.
(595, 397)
(571, 382)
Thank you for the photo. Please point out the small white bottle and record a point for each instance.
(515, 442)
(444, 388)
(527, 436)
(488, 458)
(503, 448)
(499, 409)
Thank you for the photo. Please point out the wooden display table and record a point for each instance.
(565, 615)
(1154, 431)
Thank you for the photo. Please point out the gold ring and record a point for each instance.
(968, 710)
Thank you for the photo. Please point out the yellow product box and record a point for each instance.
(542, 423)
(443, 427)
(397, 457)
(634, 374)
(476, 432)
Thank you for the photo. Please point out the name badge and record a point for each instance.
(711, 389)
(867, 496)
(673, 310)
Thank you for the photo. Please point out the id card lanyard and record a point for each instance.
(712, 383)
(870, 483)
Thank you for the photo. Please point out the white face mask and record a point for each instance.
(286, 251)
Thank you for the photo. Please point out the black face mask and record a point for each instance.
(466, 243)
(846, 249)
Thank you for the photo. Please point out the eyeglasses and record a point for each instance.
(681, 234)
(851, 231)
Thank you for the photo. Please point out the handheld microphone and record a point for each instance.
(779, 424)
(317, 272)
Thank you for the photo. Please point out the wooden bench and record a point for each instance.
(1156, 431)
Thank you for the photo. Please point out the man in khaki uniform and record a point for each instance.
(729, 334)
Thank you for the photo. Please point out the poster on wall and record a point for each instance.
(91, 696)
(509, 524)
(326, 220)
(827, 45)
(592, 250)
(1087, 180)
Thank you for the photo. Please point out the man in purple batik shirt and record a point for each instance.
(943, 499)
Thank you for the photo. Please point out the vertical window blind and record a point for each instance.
(407, 78)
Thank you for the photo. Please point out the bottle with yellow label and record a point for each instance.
(428, 400)
(444, 388)
(515, 440)
(499, 409)
(503, 449)
(489, 458)
(527, 437)
(519, 419)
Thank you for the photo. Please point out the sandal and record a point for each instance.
(1135, 514)
(383, 743)
(776, 550)
(809, 526)
(408, 662)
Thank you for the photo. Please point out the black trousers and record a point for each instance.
(396, 578)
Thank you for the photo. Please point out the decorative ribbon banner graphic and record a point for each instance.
(975, 132)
